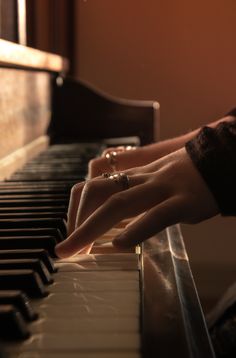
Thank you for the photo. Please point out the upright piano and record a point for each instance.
(109, 304)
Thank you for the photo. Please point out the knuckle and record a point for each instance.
(92, 187)
(97, 165)
(93, 162)
(76, 188)
(89, 186)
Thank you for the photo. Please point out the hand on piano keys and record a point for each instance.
(162, 193)
(92, 309)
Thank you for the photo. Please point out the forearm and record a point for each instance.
(213, 151)
(146, 154)
(152, 152)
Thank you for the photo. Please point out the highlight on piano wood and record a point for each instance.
(60, 132)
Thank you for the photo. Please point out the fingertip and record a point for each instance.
(65, 249)
(59, 252)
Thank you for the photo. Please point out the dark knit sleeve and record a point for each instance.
(213, 152)
(232, 112)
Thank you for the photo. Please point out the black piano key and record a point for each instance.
(33, 197)
(29, 242)
(33, 202)
(6, 190)
(52, 169)
(34, 209)
(25, 280)
(30, 254)
(12, 324)
(47, 177)
(21, 301)
(40, 215)
(28, 264)
(40, 185)
(58, 223)
(56, 233)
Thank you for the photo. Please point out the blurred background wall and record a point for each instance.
(183, 54)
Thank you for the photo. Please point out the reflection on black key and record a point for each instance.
(32, 264)
(30, 254)
(21, 301)
(29, 242)
(24, 215)
(23, 196)
(12, 324)
(33, 232)
(34, 223)
(8, 184)
(14, 190)
(32, 202)
(47, 177)
(25, 280)
(32, 209)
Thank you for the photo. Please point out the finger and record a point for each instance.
(74, 203)
(86, 197)
(121, 148)
(94, 193)
(116, 208)
(97, 191)
(98, 166)
(73, 206)
(155, 220)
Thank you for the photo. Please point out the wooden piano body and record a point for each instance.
(39, 105)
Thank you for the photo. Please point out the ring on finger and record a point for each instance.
(119, 178)
(112, 159)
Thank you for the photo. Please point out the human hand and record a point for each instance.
(167, 191)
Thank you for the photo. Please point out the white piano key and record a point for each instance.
(116, 298)
(113, 231)
(98, 286)
(97, 262)
(105, 246)
(113, 342)
(81, 258)
(86, 325)
(108, 248)
(97, 266)
(87, 310)
(96, 276)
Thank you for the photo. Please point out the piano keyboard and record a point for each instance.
(87, 306)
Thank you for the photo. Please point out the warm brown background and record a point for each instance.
(183, 54)
(179, 52)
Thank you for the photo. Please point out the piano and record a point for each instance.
(109, 304)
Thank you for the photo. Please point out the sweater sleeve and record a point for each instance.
(213, 151)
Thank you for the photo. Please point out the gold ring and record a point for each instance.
(119, 178)
(106, 175)
(112, 159)
(130, 147)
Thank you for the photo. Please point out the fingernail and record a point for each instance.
(58, 251)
